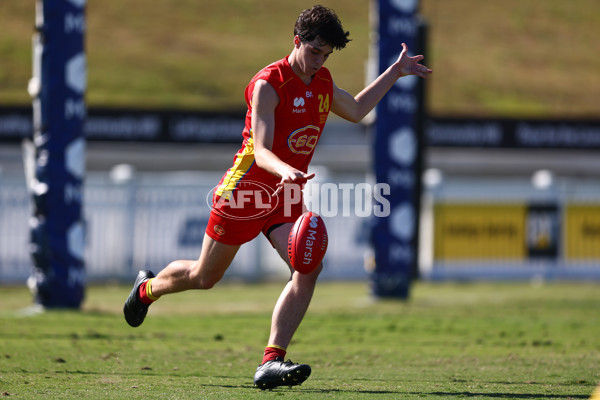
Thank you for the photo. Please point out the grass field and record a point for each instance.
(507, 58)
(449, 341)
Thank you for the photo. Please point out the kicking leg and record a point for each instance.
(287, 315)
(295, 297)
(291, 307)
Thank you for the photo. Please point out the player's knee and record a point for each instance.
(205, 284)
(317, 271)
(312, 276)
(202, 280)
(202, 283)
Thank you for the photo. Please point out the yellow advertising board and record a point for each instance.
(582, 231)
(464, 231)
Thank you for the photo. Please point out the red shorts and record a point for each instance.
(244, 225)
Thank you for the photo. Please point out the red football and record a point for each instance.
(307, 242)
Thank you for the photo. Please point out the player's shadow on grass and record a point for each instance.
(502, 395)
(451, 395)
(448, 394)
(332, 391)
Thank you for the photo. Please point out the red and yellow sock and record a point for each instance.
(273, 351)
(145, 292)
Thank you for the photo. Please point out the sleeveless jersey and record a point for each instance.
(300, 118)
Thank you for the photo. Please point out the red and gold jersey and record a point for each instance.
(300, 118)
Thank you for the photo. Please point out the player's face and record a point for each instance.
(312, 55)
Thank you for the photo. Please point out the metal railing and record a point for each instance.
(154, 218)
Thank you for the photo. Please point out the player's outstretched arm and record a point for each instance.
(356, 108)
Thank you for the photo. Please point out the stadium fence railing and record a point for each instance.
(470, 229)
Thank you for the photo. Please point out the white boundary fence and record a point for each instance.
(156, 217)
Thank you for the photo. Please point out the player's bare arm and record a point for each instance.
(264, 101)
(356, 108)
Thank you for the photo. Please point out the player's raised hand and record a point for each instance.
(410, 65)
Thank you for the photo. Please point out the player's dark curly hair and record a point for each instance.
(322, 23)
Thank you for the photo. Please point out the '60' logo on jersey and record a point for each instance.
(304, 140)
